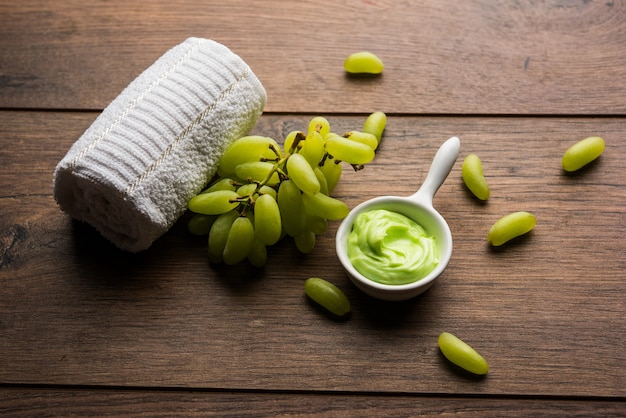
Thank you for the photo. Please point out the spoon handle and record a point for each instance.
(439, 169)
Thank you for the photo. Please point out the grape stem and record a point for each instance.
(327, 156)
(296, 143)
(248, 201)
(276, 152)
(358, 167)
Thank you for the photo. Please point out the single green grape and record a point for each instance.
(221, 184)
(349, 151)
(258, 254)
(218, 234)
(305, 242)
(247, 189)
(324, 206)
(332, 170)
(213, 203)
(290, 139)
(375, 124)
(582, 153)
(315, 224)
(291, 208)
(313, 148)
(319, 124)
(327, 295)
(301, 173)
(257, 171)
(247, 149)
(473, 177)
(200, 224)
(239, 242)
(363, 138)
(268, 190)
(321, 178)
(461, 354)
(511, 226)
(267, 220)
(363, 63)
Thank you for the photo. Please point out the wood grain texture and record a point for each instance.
(142, 403)
(88, 330)
(445, 57)
(546, 311)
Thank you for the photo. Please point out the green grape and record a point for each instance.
(283, 233)
(219, 234)
(247, 149)
(316, 224)
(327, 295)
(214, 203)
(363, 63)
(247, 189)
(349, 151)
(375, 124)
(511, 226)
(322, 180)
(319, 124)
(332, 170)
(363, 138)
(267, 190)
(582, 153)
(257, 171)
(223, 174)
(200, 224)
(221, 184)
(325, 206)
(239, 242)
(258, 254)
(267, 220)
(290, 139)
(461, 354)
(474, 178)
(301, 173)
(305, 242)
(291, 208)
(313, 148)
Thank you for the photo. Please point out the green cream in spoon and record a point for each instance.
(390, 248)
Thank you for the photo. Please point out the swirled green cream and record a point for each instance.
(390, 248)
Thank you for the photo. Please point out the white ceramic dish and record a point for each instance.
(418, 207)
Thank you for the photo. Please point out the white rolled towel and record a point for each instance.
(132, 172)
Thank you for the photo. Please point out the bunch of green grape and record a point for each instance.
(264, 192)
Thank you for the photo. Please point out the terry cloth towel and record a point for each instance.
(132, 172)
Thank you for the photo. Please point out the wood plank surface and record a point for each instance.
(140, 403)
(88, 330)
(447, 57)
(546, 311)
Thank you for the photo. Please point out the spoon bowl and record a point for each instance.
(417, 207)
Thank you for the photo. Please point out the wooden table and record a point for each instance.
(88, 330)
